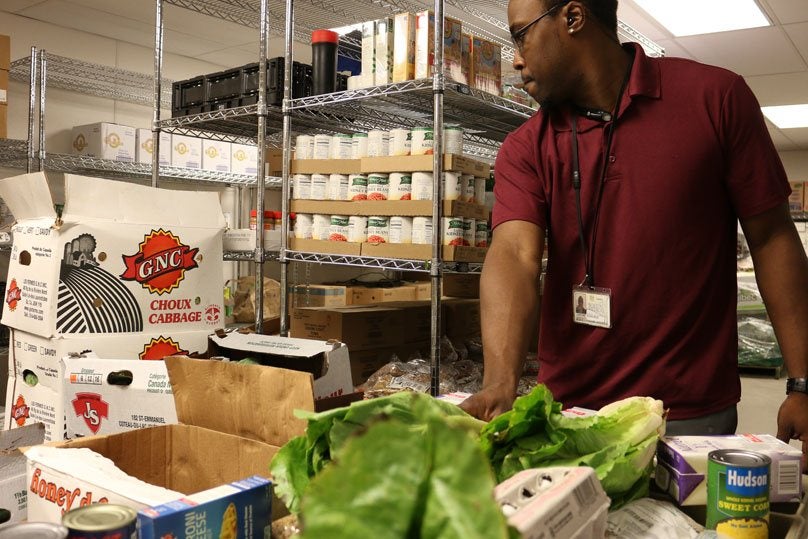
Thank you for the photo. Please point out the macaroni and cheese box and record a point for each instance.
(403, 47)
(486, 66)
(425, 46)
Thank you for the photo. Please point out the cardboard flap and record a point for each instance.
(251, 401)
(133, 203)
(274, 344)
(28, 196)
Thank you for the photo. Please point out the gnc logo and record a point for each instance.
(160, 348)
(148, 146)
(240, 155)
(212, 152)
(113, 140)
(13, 294)
(92, 408)
(20, 411)
(80, 143)
(160, 263)
(181, 148)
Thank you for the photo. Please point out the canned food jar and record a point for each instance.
(322, 147)
(378, 143)
(33, 530)
(303, 226)
(338, 231)
(467, 181)
(378, 186)
(422, 141)
(301, 186)
(479, 190)
(320, 226)
(319, 187)
(359, 145)
(341, 146)
(469, 231)
(357, 229)
(357, 187)
(453, 231)
(422, 185)
(422, 230)
(338, 187)
(401, 229)
(451, 185)
(378, 229)
(400, 142)
(400, 187)
(101, 521)
(481, 235)
(269, 220)
(453, 140)
(738, 493)
(304, 147)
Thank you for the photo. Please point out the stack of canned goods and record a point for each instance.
(378, 143)
(97, 521)
(456, 186)
(330, 187)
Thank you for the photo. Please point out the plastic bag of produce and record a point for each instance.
(757, 344)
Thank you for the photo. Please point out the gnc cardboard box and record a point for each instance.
(232, 420)
(216, 155)
(105, 141)
(144, 139)
(243, 159)
(425, 46)
(186, 152)
(13, 487)
(36, 392)
(105, 396)
(121, 258)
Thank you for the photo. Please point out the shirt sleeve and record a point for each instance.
(756, 178)
(519, 193)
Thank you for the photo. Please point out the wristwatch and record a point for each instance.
(800, 385)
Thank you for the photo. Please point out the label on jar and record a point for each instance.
(467, 181)
(303, 225)
(341, 146)
(359, 145)
(422, 185)
(453, 140)
(451, 186)
(453, 231)
(401, 229)
(422, 230)
(469, 231)
(320, 226)
(301, 186)
(338, 231)
(357, 229)
(338, 187)
(422, 141)
(378, 143)
(479, 190)
(378, 186)
(357, 187)
(304, 147)
(400, 142)
(481, 234)
(322, 147)
(400, 186)
(378, 229)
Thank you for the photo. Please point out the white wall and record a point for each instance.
(796, 165)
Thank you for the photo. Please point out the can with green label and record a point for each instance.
(738, 493)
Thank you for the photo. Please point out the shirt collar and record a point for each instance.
(644, 80)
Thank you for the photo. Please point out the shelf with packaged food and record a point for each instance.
(398, 264)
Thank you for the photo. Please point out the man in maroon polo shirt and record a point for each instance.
(637, 170)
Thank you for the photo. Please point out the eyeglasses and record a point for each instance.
(518, 37)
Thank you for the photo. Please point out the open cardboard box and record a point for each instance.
(233, 419)
(13, 487)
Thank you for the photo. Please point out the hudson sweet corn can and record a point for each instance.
(738, 493)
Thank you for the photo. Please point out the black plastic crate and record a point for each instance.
(192, 92)
(224, 85)
(342, 82)
(301, 80)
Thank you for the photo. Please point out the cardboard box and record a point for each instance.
(423, 289)
(326, 166)
(403, 48)
(105, 396)
(425, 46)
(325, 246)
(682, 465)
(5, 52)
(796, 199)
(186, 152)
(424, 163)
(461, 285)
(384, 52)
(369, 51)
(327, 362)
(233, 419)
(13, 486)
(274, 161)
(3, 87)
(465, 60)
(365, 295)
(216, 155)
(144, 151)
(40, 356)
(105, 141)
(486, 66)
(122, 258)
(451, 208)
(461, 318)
(243, 159)
(320, 295)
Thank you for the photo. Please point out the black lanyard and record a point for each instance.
(589, 254)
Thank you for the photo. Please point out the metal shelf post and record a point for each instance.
(158, 73)
(287, 156)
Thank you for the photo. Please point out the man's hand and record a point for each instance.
(792, 423)
(489, 402)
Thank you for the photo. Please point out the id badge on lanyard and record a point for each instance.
(592, 306)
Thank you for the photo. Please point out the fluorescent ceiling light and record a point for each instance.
(691, 17)
(787, 116)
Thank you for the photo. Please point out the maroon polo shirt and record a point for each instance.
(690, 155)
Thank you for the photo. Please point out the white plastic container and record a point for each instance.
(469, 231)
(319, 187)
(378, 143)
(453, 140)
(320, 226)
(357, 229)
(359, 145)
(401, 229)
(322, 147)
(341, 146)
(304, 147)
(400, 143)
(481, 234)
(301, 186)
(338, 229)
(467, 181)
(378, 186)
(400, 186)
(338, 187)
(357, 187)
(378, 229)
(422, 230)
(303, 226)
(422, 185)
(422, 141)
(479, 190)
(453, 231)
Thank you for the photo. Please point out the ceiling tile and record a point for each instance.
(636, 17)
(785, 89)
(13, 6)
(788, 11)
(756, 51)
(781, 142)
(798, 33)
(797, 136)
